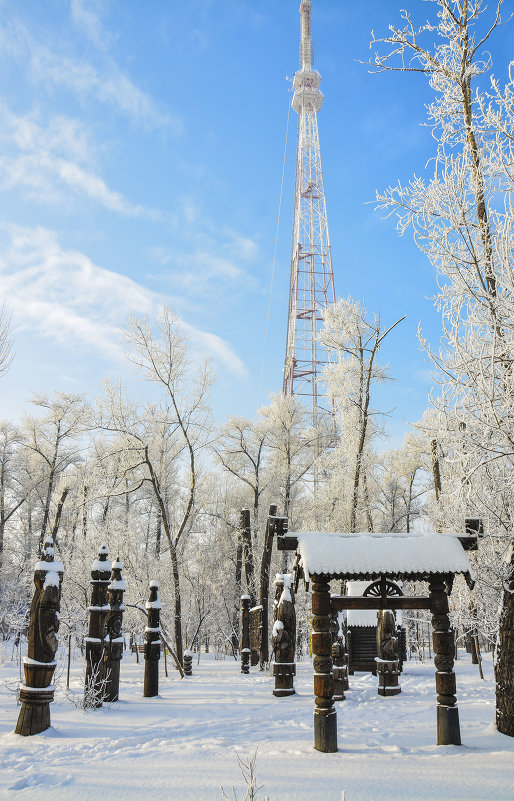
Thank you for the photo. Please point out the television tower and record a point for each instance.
(312, 280)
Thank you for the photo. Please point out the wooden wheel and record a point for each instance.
(375, 589)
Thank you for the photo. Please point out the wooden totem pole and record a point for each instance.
(448, 726)
(284, 636)
(325, 718)
(94, 688)
(245, 634)
(114, 641)
(188, 662)
(37, 693)
(339, 656)
(153, 643)
(388, 659)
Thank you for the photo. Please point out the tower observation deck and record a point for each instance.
(311, 280)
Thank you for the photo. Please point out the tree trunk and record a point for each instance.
(177, 606)
(504, 668)
(235, 616)
(264, 586)
(246, 535)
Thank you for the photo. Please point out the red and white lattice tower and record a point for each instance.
(312, 279)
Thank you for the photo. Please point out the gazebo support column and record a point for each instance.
(325, 717)
(448, 726)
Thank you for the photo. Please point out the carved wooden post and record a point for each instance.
(153, 643)
(94, 688)
(264, 585)
(188, 663)
(448, 727)
(325, 717)
(37, 693)
(338, 661)
(284, 636)
(387, 661)
(114, 644)
(245, 633)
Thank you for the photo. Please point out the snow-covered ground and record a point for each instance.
(182, 745)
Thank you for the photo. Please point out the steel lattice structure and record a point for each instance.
(312, 279)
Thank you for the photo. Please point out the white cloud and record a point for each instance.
(64, 296)
(215, 261)
(109, 84)
(89, 22)
(43, 169)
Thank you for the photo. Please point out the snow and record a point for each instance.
(182, 745)
(51, 579)
(153, 604)
(359, 617)
(49, 688)
(287, 580)
(375, 554)
(51, 567)
(277, 627)
(103, 567)
(154, 584)
(118, 584)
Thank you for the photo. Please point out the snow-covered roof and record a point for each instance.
(371, 555)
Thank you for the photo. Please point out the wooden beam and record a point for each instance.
(370, 602)
(287, 543)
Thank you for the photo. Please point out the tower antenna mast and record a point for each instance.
(311, 287)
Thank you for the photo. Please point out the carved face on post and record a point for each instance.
(49, 622)
(386, 636)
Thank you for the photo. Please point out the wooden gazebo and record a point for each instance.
(434, 558)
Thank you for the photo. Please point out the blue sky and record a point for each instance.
(140, 163)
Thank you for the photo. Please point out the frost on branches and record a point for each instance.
(461, 216)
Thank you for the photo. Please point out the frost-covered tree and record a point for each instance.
(158, 445)
(53, 440)
(354, 339)
(461, 216)
(294, 448)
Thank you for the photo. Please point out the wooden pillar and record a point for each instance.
(338, 660)
(245, 634)
(37, 693)
(188, 663)
(152, 643)
(448, 727)
(284, 636)
(264, 585)
(114, 643)
(387, 661)
(325, 718)
(94, 688)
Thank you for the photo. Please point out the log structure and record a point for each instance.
(152, 643)
(37, 693)
(448, 726)
(284, 636)
(114, 642)
(325, 719)
(244, 649)
(95, 681)
(380, 558)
